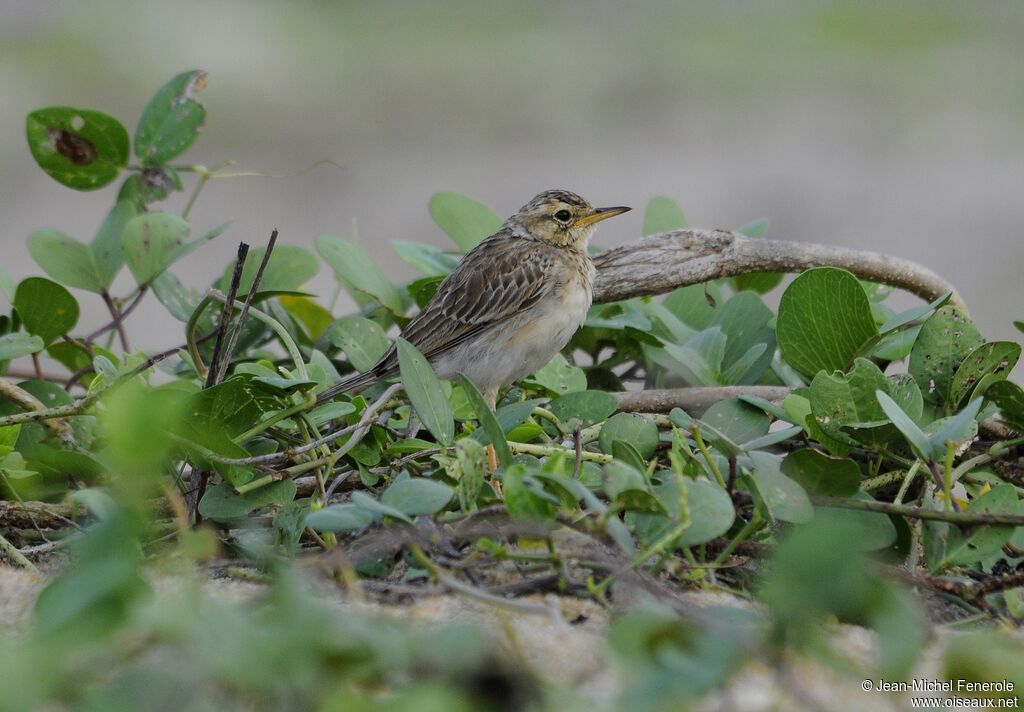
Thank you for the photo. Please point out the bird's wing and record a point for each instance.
(496, 281)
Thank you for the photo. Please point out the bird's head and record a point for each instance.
(562, 218)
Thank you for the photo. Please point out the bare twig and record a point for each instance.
(229, 349)
(660, 263)
(119, 317)
(16, 556)
(921, 512)
(59, 428)
(213, 375)
(692, 400)
(112, 308)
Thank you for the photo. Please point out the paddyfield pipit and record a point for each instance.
(513, 302)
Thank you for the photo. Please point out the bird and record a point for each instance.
(512, 303)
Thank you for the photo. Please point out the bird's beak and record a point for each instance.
(600, 214)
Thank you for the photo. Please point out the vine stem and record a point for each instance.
(548, 450)
(117, 317)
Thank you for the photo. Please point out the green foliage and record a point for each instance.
(397, 480)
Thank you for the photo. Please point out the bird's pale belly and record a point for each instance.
(522, 345)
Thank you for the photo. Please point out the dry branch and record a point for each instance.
(693, 400)
(661, 263)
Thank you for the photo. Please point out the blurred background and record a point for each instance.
(880, 125)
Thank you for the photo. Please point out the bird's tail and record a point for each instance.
(354, 383)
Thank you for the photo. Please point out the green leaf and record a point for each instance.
(981, 542)
(416, 496)
(839, 399)
(425, 392)
(585, 406)
(79, 148)
(107, 247)
(19, 344)
(637, 430)
(760, 282)
(626, 486)
(711, 512)
(945, 340)
(1010, 399)
(222, 504)
(66, 260)
(466, 221)
(736, 421)
(362, 340)
(46, 309)
(785, 499)
(369, 504)
(559, 376)
(919, 442)
(340, 518)
(179, 300)
(357, 272)
(521, 500)
(746, 322)
(957, 429)
(151, 242)
(991, 361)
(488, 421)
(820, 474)
(876, 529)
(692, 305)
(910, 316)
(425, 258)
(663, 215)
(288, 269)
(171, 120)
(824, 321)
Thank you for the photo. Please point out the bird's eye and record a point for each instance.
(563, 215)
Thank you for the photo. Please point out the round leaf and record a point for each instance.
(662, 215)
(339, 518)
(19, 344)
(585, 406)
(417, 496)
(46, 309)
(151, 242)
(711, 512)
(66, 260)
(820, 474)
(171, 120)
(824, 321)
(638, 431)
(79, 148)
(466, 221)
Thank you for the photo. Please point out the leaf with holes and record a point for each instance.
(945, 340)
(466, 221)
(171, 120)
(824, 321)
(1010, 399)
(988, 363)
(46, 309)
(79, 148)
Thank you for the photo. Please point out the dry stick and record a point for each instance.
(661, 263)
(921, 512)
(118, 318)
(229, 349)
(112, 308)
(213, 374)
(692, 400)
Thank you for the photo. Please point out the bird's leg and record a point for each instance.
(491, 399)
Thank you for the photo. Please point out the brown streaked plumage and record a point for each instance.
(513, 302)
